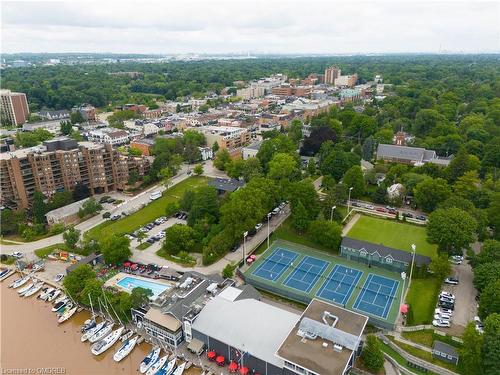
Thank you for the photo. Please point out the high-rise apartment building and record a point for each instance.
(61, 164)
(331, 74)
(14, 107)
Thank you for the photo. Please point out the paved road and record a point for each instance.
(149, 255)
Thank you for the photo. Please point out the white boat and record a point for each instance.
(156, 366)
(180, 369)
(67, 314)
(125, 349)
(62, 297)
(88, 324)
(19, 282)
(34, 290)
(108, 327)
(5, 273)
(102, 345)
(151, 358)
(167, 368)
(45, 294)
(25, 289)
(53, 295)
(126, 335)
(91, 332)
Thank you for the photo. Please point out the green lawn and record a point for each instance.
(9, 261)
(393, 234)
(44, 251)
(399, 359)
(148, 213)
(427, 337)
(422, 298)
(143, 246)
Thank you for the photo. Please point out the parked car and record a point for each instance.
(111, 200)
(442, 316)
(355, 204)
(155, 195)
(258, 226)
(129, 237)
(441, 323)
(234, 248)
(443, 310)
(380, 209)
(115, 217)
(252, 232)
(446, 300)
(276, 211)
(104, 199)
(447, 305)
(458, 258)
(150, 240)
(369, 207)
(455, 261)
(451, 281)
(58, 277)
(447, 295)
(106, 215)
(407, 214)
(17, 254)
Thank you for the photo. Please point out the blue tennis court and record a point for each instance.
(306, 274)
(377, 295)
(274, 265)
(339, 284)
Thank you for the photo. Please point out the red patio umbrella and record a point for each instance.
(126, 264)
(134, 266)
(249, 260)
(220, 360)
(404, 308)
(253, 256)
(244, 370)
(233, 367)
(211, 355)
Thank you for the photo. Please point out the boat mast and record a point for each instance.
(117, 317)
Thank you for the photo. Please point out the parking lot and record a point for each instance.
(154, 231)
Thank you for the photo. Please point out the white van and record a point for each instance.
(155, 195)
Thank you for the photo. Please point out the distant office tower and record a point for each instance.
(14, 107)
(331, 74)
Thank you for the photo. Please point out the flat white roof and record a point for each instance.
(249, 325)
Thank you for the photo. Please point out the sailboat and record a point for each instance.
(125, 349)
(67, 314)
(180, 369)
(19, 282)
(89, 323)
(34, 289)
(92, 331)
(58, 306)
(151, 358)
(5, 273)
(53, 295)
(25, 289)
(45, 293)
(102, 345)
(157, 365)
(167, 368)
(62, 297)
(105, 330)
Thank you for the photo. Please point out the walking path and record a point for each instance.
(350, 224)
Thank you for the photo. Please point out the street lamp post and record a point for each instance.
(349, 201)
(331, 212)
(268, 230)
(245, 234)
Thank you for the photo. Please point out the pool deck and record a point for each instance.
(113, 282)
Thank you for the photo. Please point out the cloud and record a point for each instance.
(275, 26)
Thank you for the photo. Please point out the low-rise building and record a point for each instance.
(409, 155)
(379, 255)
(87, 111)
(251, 150)
(223, 185)
(54, 115)
(227, 137)
(143, 144)
(445, 352)
(65, 215)
(112, 137)
(53, 126)
(206, 153)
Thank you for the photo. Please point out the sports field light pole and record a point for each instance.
(331, 213)
(268, 231)
(349, 201)
(413, 250)
(245, 234)
(403, 276)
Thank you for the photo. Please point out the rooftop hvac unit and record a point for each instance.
(337, 348)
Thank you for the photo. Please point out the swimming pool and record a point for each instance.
(130, 283)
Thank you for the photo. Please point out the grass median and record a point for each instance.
(147, 214)
(422, 298)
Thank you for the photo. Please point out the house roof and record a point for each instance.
(445, 348)
(118, 134)
(165, 320)
(248, 325)
(226, 184)
(401, 152)
(384, 251)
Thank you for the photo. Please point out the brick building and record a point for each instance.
(14, 107)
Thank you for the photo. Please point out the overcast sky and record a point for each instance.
(307, 26)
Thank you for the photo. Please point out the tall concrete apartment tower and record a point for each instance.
(14, 107)
(331, 74)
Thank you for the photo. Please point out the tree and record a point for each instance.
(92, 291)
(490, 252)
(60, 199)
(76, 118)
(222, 160)
(295, 130)
(89, 207)
(305, 193)
(198, 169)
(115, 249)
(300, 217)
(228, 271)
(74, 282)
(367, 148)
(441, 266)
(215, 148)
(10, 220)
(270, 147)
(491, 345)
(191, 153)
(283, 167)
(354, 178)
(319, 135)
(489, 302)
(461, 163)
(39, 207)
(165, 175)
(205, 206)
(485, 274)
(494, 213)
(71, 237)
(140, 296)
(452, 229)
(471, 350)
(372, 355)
(430, 192)
(66, 127)
(311, 167)
(326, 233)
(141, 236)
(179, 238)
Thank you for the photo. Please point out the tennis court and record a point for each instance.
(377, 295)
(339, 284)
(306, 274)
(275, 264)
